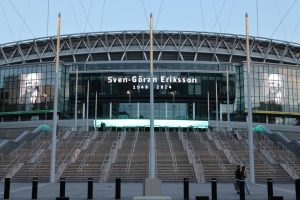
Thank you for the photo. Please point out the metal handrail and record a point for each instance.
(133, 145)
(11, 163)
(226, 147)
(208, 147)
(37, 162)
(112, 156)
(65, 158)
(37, 149)
(19, 149)
(16, 156)
(288, 153)
(283, 153)
(82, 165)
(196, 132)
(173, 156)
(63, 146)
(211, 152)
(291, 165)
(192, 157)
(220, 163)
(267, 164)
(95, 148)
(103, 168)
(37, 139)
(99, 143)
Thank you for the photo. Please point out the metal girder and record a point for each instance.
(90, 48)
(21, 53)
(71, 48)
(86, 47)
(37, 51)
(4, 56)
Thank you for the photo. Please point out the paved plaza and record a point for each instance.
(47, 191)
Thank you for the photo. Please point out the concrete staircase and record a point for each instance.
(132, 165)
(40, 146)
(215, 164)
(263, 167)
(280, 157)
(89, 161)
(172, 161)
(106, 155)
(132, 160)
(38, 164)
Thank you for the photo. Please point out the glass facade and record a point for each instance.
(26, 91)
(180, 91)
(275, 93)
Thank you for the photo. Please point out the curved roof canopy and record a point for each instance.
(134, 45)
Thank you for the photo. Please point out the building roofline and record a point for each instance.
(134, 45)
(257, 38)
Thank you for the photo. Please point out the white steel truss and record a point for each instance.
(134, 45)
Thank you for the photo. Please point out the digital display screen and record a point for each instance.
(274, 88)
(30, 89)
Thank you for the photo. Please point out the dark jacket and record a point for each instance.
(243, 174)
(238, 174)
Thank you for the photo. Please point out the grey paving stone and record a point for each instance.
(106, 191)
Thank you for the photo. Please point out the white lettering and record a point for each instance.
(134, 79)
(109, 79)
(142, 79)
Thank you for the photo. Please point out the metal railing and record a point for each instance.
(37, 163)
(289, 166)
(37, 140)
(72, 154)
(98, 144)
(112, 156)
(105, 168)
(231, 155)
(199, 135)
(288, 158)
(91, 153)
(19, 150)
(66, 157)
(267, 164)
(83, 163)
(221, 164)
(192, 157)
(214, 155)
(173, 155)
(132, 150)
(286, 152)
(283, 155)
(36, 152)
(16, 156)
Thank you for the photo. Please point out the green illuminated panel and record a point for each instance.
(146, 123)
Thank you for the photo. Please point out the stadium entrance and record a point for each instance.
(180, 90)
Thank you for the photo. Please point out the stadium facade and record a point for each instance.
(189, 69)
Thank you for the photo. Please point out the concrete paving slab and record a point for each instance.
(106, 191)
(151, 198)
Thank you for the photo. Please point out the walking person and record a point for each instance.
(244, 176)
(237, 179)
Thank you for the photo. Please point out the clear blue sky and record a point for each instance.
(27, 19)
